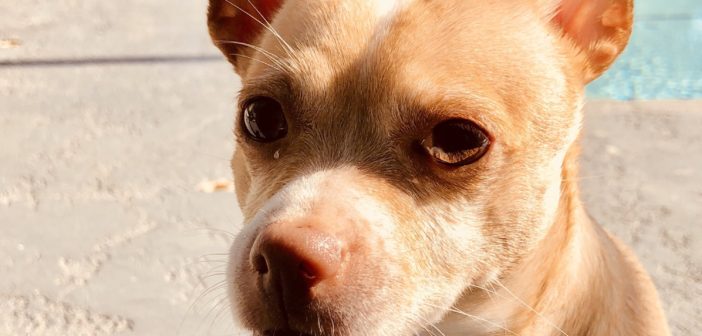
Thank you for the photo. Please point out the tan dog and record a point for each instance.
(409, 167)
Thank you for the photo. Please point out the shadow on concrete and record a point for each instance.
(115, 60)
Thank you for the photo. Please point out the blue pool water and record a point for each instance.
(664, 57)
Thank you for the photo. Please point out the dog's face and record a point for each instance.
(393, 153)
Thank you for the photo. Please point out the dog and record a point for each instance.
(409, 167)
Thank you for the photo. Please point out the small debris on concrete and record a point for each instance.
(212, 186)
(10, 43)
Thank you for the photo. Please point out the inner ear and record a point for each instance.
(234, 24)
(600, 29)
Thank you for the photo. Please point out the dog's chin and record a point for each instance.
(281, 332)
(318, 330)
(316, 324)
(327, 328)
(309, 325)
(289, 332)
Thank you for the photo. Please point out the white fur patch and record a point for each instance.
(385, 8)
(302, 195)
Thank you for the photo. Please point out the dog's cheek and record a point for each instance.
(445, 247)
(521, 208)
(263, 195)
(242, 178)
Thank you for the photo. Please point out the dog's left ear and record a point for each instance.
(236, 25)
(600, 29)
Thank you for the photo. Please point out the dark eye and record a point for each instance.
(264, 120)
(456, 142)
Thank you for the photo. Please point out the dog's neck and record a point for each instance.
(554, 290)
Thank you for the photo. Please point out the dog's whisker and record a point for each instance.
(206, 260)
(271, 56)
(218, 303)
(209, 290)
(427, 325)
(222, 312)
(319, 324)
(211, 275)
(420, 324)
(426, 329)
(268, 27)
(437, 329)
(204, 228)
(489, 293)
(215, 254)
(202, 295)
(539, 314)
(217, 286)
(477, 318)
(215, 265)
(274, 67)
(272, 29)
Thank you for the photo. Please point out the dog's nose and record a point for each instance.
(292, 259)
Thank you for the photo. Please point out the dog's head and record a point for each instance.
(393, 153)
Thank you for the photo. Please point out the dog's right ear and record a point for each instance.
(234, 24)
(599, 29)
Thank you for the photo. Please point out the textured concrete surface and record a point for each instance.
(642, 180)
(106, 226)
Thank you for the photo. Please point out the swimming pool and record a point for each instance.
(664, 57)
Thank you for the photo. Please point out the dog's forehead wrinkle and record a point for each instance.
(329, 49)
(364, 76)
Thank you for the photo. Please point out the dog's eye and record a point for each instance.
(264, 119)
(456, 142)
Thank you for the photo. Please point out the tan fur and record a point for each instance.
(501, 246)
